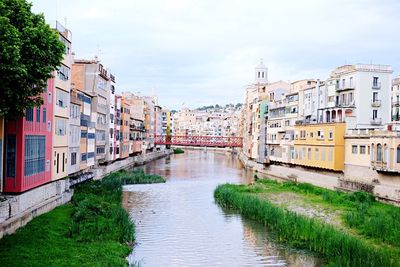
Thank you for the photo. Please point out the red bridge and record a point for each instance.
(210, 141)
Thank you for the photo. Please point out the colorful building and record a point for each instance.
(125, 128)
(320, 146)
(61, 105)
(28, 146)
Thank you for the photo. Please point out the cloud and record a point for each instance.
(201, 52)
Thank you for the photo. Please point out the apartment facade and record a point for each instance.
(94, 78)
(28, 146)
(395, 99)
(111, 129)
(61, 106)
(125, 129)
(320, 146)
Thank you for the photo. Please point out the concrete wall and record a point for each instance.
(17, 211)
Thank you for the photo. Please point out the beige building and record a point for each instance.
(373, 155)
(61, 105)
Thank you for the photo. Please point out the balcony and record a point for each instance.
(346, 86)
(345, 104)
(376, 121)
(376, 85)
(376, 103)
(85, 121)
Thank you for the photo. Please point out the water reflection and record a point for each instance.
(178, 223)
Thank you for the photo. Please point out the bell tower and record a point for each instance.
(261, 73)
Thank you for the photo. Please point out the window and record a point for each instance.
(398, 154)
(330, 135)
(323, 152)
(309, 153)
(66, 45)
(83, 157)
(378, 152)
(375, 96)
(102, 84)
(320, 134)
(351, 99)
(354, 149)
(35, 152)
(90, 155)
(74, 111)
(29, 114)
(11, 148)
(362, 149)
(351, 82)
(44, 115)
(58, 162)
(316, 154)
(90, 136)
(312, 134)
(101, 119)
(375, 81)
(63, 162)
(61, 127)
(61, 98)
(100, 135)
(330, 154)
(49, 98)
(38, 114)
(63, 73)
(73, 158)
(84, 134)
(374, 114)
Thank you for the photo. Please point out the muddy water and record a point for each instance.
(179, 224)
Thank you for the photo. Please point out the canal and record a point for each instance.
(179, 224)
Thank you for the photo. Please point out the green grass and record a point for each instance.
(178, 151)
(338, 247)
(360, 211)
(92, 230)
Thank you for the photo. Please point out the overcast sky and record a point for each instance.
(201, 52)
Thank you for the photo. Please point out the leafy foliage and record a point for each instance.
(29, 52)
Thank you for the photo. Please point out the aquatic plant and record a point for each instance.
(338, 247)
(178, 150)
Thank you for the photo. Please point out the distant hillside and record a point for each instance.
(217, 106)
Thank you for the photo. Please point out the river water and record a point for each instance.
(179, 224)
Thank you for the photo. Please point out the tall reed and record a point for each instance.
(339, 248)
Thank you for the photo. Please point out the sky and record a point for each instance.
(202, 52)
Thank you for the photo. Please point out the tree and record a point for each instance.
(29, 52)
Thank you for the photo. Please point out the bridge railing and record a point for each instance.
(221, 141)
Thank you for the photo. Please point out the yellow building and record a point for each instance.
(320, 145)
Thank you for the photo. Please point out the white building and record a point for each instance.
(361, 96)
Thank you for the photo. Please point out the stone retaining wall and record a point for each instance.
(17, 210)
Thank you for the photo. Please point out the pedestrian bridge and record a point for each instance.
(202, 141)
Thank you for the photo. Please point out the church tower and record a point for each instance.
(261, 73)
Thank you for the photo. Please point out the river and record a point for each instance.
(179, 224)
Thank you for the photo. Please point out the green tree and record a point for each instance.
(29, 52)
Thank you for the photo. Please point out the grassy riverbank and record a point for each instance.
(295, 214)
(92, 230)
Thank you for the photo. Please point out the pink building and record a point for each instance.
(28, 146)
